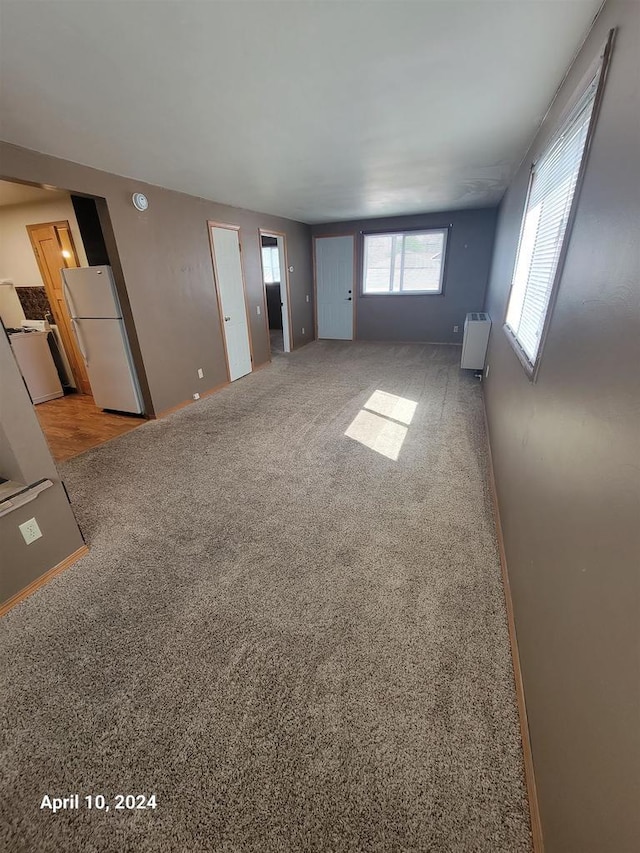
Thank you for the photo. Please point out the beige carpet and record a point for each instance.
(290, 628)
(276, 341)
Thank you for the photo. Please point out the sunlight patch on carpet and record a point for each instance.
(382, 423)
(391, 406)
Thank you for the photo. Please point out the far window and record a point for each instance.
(552, 187)
(271, 264)
(404, 262)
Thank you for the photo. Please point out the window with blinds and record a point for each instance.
(271, 264)
(552, 188)
(404, 262)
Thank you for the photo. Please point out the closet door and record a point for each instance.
(230, 284)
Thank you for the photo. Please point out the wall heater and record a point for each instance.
(474, 344)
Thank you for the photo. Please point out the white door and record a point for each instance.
(335, 286)
(228, 272)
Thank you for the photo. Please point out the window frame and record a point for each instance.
(601, 66)
(443, 229)
(272, 250)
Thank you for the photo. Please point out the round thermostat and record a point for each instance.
(140, 201)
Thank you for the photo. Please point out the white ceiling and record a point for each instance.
(312, 110)
(11, 193)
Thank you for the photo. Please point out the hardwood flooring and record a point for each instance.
(73, 424)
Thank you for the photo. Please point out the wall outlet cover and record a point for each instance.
(455, 328)
(303, 330)
(196, 396)
(30, 531)
(258, 311)
(200, 373)
(307, 297)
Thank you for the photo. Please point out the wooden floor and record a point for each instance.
(73, 424)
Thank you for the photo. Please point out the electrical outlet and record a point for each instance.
(196, 396)
(455, 328)
(30, 531)
(200, 373)
(303, 330)
(258, 311)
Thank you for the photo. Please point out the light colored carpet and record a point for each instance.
(277, 341)
(297, 642)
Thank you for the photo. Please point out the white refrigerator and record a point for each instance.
(96, 318)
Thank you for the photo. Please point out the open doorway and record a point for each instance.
(275, 275)
(52, 244)
(74, 357)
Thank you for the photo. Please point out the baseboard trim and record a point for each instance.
(185, 403)
(43, 579)
(529, 772)
(395, 343)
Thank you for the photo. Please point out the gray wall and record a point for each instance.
(432, 317)
(163, 260)
(166, 266)
(566, 453)
(25, 457)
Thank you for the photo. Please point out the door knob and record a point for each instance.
(226, 319)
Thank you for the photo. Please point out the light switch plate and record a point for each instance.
(200, 373)
(30, 531)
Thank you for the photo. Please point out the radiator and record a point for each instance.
(474, 344)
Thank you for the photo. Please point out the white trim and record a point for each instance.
(284, 285)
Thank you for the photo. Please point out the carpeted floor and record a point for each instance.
(295, 640)
(276, 341)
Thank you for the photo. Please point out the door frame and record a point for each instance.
(76, 354)
(355, 281)
(211, 224)
(113, 255)
(270, 232)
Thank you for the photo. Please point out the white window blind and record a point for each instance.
(271, 264)
(404, 262)
(552, 187)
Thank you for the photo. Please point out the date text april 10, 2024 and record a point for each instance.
(99, 802)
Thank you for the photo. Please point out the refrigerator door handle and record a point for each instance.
(67, 297)
(76, 332)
